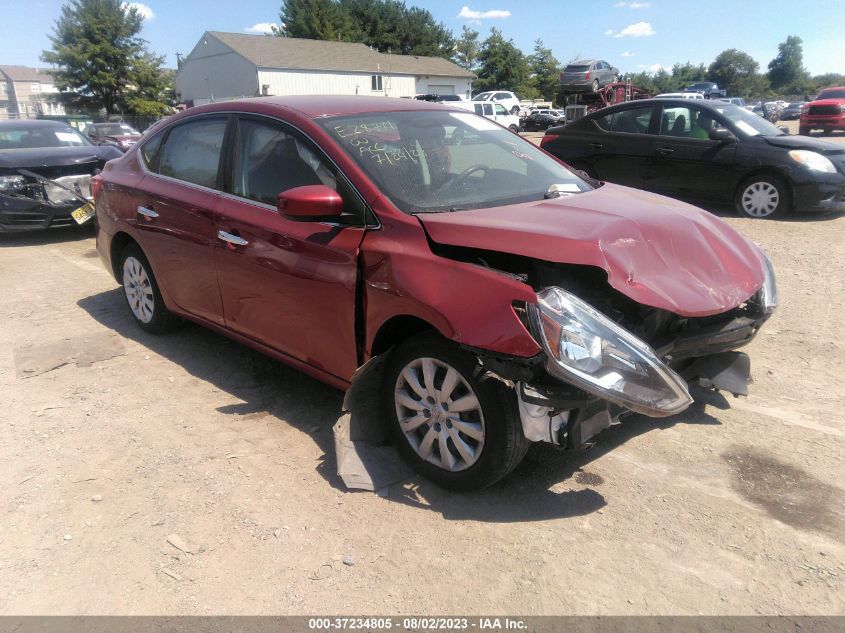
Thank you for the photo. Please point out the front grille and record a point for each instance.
(824, 110)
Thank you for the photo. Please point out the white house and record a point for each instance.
(26, 93)
(226, 66)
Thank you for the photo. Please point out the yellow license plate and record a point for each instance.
(83, 213)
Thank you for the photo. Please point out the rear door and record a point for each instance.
(685, 166)
(174, 208)
(288, 284)
(620, 144)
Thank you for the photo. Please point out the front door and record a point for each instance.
(619, 149)
(288, 284)
(684, 162)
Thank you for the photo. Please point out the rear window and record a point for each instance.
(576, 69)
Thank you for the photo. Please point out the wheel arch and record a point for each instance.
(120, 241)
(398, 329)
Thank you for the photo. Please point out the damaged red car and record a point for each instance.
(505, 298)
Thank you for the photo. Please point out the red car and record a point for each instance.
(508, 299)
(826, 112)
(119, 135)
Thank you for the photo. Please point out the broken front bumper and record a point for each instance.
(24, 214)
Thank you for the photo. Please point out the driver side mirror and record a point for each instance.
(722, 135)
(311, 202)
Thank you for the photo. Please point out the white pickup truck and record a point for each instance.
(494, 111)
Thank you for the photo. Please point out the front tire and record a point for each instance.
(142, 294)
(804, 131)
(762, 197)
(514, 129)
(452, 421)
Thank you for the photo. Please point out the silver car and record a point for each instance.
(587, 75)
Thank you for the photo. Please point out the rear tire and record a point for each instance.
(762, 196)
(804, 131)
(142, 294)
(514, 129)
(460, 426)
(595, 85)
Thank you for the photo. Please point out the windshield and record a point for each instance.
(30, 137)
(832, 93)
(482, 96)
(448, 161)
(114, 130)
(748, 123)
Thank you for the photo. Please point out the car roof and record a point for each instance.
(581, 62)
(706, 104)
(317, 106)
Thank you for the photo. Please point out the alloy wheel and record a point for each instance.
(760, 199)
(439, 414)
(138, 289)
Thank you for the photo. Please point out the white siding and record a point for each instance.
(324, 82)
(213, 71)
(429, 85)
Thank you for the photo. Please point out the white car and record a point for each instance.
(493, 111)
(680, 95)
(508, 99)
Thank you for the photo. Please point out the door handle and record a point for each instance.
(147, 213)
(664, 151)
(596, 145)
(235, 240)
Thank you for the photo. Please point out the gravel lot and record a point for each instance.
(187, 474)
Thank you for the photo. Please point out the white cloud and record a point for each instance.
(640, 5)
(492, 14)
(609, 32)
(619, 5)
(261, 27)
(143, 10)
(639, 29)
(628, 54)
(652, 69)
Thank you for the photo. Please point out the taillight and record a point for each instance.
(96, 186)
(548, 138)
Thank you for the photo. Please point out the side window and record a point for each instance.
(479, 109)
(488, 109)
(270, 159)
(500, 110)
(687, 122)
(192, 152)
(149, 150)
(632, 121)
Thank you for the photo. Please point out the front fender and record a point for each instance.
(466, 303)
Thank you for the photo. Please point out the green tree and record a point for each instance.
(825, 81)
(786, 71)
(736, 72)
(466, 49)
(685, 74)
(386, 25)
(545, 71)
(502, 66)
(97, 49)
(151, 92)
(314, 20)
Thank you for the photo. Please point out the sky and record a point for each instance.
(633, 35)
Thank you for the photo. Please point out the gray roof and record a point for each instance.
(301, 54)
(25, 73)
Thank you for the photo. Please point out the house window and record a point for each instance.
(376, 85)
(4, 88)
(34, 87)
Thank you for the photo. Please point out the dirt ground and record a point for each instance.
(186, 474)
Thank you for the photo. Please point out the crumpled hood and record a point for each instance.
(34, 158)
(655, 250)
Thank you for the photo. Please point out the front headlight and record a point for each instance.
(813, 161)
(12, 183)
(587, 349)
(769, 291)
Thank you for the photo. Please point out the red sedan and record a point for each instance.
(512, 300)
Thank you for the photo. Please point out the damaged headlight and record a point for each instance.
(589, 350)
(10, 184)
(769, 291)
